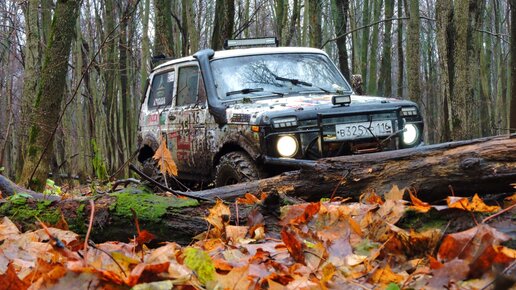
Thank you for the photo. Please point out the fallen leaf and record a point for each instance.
(310, 210)
(144, 237)
(419, 205)
(8, 229)
(219, 215)
(142, 268)
(159, 285)
(467, 245)
(10, 280)
(201, 263)
(235, 234)
(248, 199)
(294, 245)
(452, 271)
(476, 204)
(164, 158)
(372, 198)
(395, 193)
(385, 276)
(237, 278)
(434, 264)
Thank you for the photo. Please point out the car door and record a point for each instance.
(187, 122)
(158, 102)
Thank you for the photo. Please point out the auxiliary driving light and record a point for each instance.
(410, 134)
(287, 146)
(343, 100)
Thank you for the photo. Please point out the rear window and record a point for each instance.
(161, 90)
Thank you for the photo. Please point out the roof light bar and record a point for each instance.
(266, 41)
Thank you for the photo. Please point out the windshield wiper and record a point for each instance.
(244, 91)
(297, 82)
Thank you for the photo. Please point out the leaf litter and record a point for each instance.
(322, 245)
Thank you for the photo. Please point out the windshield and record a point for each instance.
(276, 75)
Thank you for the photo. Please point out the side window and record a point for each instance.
(188, 86)
(161, 90)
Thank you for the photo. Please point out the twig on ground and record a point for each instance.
(90, 225)
(498, 213)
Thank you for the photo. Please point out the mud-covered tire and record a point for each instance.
(236, 167)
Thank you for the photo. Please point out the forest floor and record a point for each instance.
(375, 243)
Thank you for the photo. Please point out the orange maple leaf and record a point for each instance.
(418, 204)
(164, 158)
(476, 204)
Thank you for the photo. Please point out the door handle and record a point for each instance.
(171, 117)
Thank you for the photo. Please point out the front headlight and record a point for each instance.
(287, 146)
(410, 134)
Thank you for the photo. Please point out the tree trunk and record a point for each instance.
(224, 22)
(513, 65)
(50, 95)
(364, 47)
(372, 80)
(399, 91)
(340, 17)
(414, 53)
(163, 38)
(315, 31)
(461, 84)
(445, 45)
(385, 81)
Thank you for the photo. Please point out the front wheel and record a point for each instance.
(236, 167)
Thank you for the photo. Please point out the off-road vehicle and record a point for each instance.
(241, 114)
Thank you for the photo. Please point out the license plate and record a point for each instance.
(363, 130)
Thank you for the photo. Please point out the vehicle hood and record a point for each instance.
(306, 107)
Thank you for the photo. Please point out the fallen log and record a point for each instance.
(484, 166)
(168, 218)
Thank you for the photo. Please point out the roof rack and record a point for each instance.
(250, 42)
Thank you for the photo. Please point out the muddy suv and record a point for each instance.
(237, 115)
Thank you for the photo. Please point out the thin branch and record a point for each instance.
(92, 216)
(372, 24)
(497, 35)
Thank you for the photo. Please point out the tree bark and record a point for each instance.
(513, 65)
(414, 53)
(399, 90)
(224, 22)
(340, 17)
(163, 38)
(372, 80)
(385, 81)
(50, 95)
(315, 31)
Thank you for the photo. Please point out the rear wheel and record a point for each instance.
(236, 167)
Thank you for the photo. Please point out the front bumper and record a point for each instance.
(317, 138)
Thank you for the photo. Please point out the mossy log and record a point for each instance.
(484, 166)
(168, 218)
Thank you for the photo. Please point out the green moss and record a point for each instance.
(26, 211)
(148, 206)
(423, 221)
